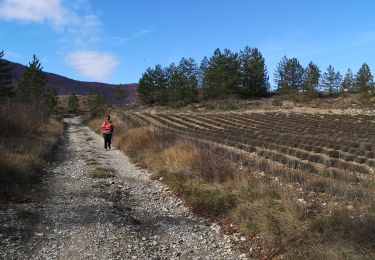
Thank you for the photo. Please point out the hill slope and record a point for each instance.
(66, 86)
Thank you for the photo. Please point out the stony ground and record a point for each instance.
(127, 216)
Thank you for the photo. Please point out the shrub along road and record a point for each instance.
(95, 204)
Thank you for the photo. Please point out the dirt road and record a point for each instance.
(127, 216)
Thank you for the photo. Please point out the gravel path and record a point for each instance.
(127, 216)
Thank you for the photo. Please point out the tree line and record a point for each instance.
(290, 76)
(225, 74)
(244, 75)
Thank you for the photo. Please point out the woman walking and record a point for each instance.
(107, 127)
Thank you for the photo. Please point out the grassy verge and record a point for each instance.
(27, 139)
(273, 216)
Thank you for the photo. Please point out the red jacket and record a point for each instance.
(107, 127)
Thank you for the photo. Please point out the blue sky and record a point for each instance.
(75, 38)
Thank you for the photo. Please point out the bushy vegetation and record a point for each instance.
(29, 131)
(121, 94)
(96, 100)
(244, 75)
(73, 104)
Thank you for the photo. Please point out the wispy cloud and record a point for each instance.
(12, 55)
(120, 40)
(95, 65)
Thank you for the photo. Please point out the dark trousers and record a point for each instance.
(107, 140)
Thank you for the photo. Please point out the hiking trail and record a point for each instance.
(127, 216)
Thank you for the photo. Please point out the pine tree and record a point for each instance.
(6, 89)
(347, 85)
(73, 103)
(212, 81)
(364, 80)
(146, 89)
(152, 87)
(120, 94)
(289, 75)
(230, 73)
(183, 82)
(203, 68)
(222, 76)
(280, 76)
(175, 84)
(31, 87)
(189, 70)
(96, 100)
(311, 79)
(253, 73)
(331, 80)
(50, 100)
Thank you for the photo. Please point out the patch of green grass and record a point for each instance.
(102, 173)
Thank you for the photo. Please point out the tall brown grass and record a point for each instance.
(27, 137)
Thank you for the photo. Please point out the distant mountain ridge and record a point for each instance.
(67, 86)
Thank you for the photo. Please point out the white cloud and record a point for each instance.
(93, 65)
(74, 19)
(78, 27)
(34, 11)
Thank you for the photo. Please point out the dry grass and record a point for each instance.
(136, 138)
(27, 137)
(181, 154)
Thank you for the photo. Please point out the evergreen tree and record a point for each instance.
(222, 76)
(152, 87)
(31, 87)
(230, 73)
(50, 100)
(203, 68)
(73, 103)
(6, 89)
(96, 100)
(347, 85)
(364, 80)
(311, 78)
(289, 75)
(253, 73)
(146, 87)
(189, 70)
(331, 80)
(182, 82)
(120, 94)
(175, 83)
